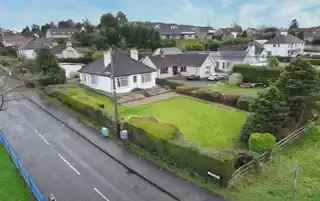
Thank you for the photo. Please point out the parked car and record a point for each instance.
(252, 85)
(193, 77)
(217, 77)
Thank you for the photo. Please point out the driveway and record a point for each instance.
(193, 83)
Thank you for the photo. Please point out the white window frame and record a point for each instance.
(146, 78)
(94, 79)
(122, 82)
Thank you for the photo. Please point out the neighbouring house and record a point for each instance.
(285, 45)
(61, 33)
(226, 57)
(68, 52)
(311, 34)
(167, 51)
(29, 51)
(71, 69)
(198, 64)
(129, 73)
(13, 40)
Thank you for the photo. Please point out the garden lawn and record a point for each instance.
(276, 182)
(234, 90)
(12, 186)
(204, 124)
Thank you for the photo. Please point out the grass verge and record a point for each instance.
(12, 186)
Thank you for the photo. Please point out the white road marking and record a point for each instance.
(101, 194)
(69, 164)
(43, 138)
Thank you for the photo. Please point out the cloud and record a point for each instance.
(200, 12)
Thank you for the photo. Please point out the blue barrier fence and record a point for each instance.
(24, 173)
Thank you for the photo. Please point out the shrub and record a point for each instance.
(244, 102)
(208, 95)
(261, 142)
(230, 100)
(257, 73)
(194, 47)
(83, 60)
(315, 62)
(235, 79)
(186, 90)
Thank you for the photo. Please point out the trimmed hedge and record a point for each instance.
(257, 74)
(97, 113)
(83, 60)
(244, 102)
(167, 83)
(208, 95)
(175, 149)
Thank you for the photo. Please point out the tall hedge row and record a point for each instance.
(97, 113)
(184, 155)
(257, 74)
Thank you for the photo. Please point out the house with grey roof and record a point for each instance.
(167, 51)
(285, 45)
(129, 73)
(13, 40)
(185, 64)
(29, 51)
(226, 57)
(61, 33)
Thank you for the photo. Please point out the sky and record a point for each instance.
(16, 14)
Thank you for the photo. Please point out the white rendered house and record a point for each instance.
(129, 73)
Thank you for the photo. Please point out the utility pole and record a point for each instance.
(115, 98)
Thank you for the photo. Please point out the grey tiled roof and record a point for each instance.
(38, 44)
(191, 59)
(283, 39)
(123, 66)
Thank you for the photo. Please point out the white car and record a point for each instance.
(217, 77)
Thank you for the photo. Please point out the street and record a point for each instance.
(66, 165)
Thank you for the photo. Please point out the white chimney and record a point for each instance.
(107, 58)
(134, 54)
(284, 33)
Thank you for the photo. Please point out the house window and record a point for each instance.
(217, 63)
(122, 82)
(135, 79)
(274, 45)
(94, 79)
(223, 65)
(164, 70)
(183, 69)
(146, 78)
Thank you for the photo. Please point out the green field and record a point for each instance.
(12, 186)
(234, 90)
(204, 124)
(276, 182)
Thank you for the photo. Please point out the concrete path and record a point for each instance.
(152, 99)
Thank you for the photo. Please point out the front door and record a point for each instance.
(175, 70)
(135, 81)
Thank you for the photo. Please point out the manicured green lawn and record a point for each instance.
(205, 124)
(276, 182)
(12, 186)
(234, 90)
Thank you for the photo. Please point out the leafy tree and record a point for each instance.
(47, 69)
(294, 24)
(108, 21)
(121, 18)
(273, 62)
(44, 28)
(300, 84)
(66, 24)
(26, 31)
(213, 45)
(35, 29)
(269, 114)
(89, 28)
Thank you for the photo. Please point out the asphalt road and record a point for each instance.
(67, 166)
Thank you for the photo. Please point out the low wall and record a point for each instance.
(23, 172)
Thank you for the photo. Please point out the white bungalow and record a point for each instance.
(129, 73)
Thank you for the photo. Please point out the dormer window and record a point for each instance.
(157, 26)
(173, 27)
